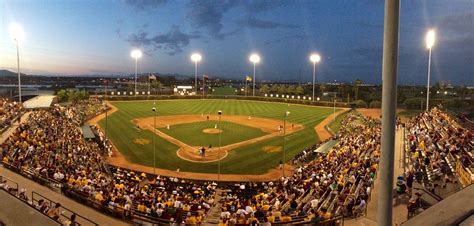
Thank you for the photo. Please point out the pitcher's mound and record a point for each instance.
(271, 149)
(212, 130)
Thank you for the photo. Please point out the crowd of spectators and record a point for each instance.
(50, 145)
(336, 183)
(9, 111)
(436, 143)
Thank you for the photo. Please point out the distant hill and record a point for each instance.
(7, 73)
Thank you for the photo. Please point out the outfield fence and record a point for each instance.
(231, 97)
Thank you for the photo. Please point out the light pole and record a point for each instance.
(315, 58)
(196, 57)
(154, 146)
(136, 54)
(334, 109)
(106, 110)
(254, 58)
(219, 149)
(430, 39)
(284, 142)
(17, 34)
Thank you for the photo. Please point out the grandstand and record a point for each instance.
(332, 181)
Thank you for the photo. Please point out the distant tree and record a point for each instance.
(360, 104)
(281, 89)
(414, 103)
(274, 88)
(155, 84)
(357, 83)
(375, 104)
(265, 89)
(322, 88)
(63, 95)
(291, 90)
(299, 90)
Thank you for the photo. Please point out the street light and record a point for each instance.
(196, 57)
(136, 54)
(154, 146)
(17, 35)
(254, 58)
(219, 149)
(430, 40)
(284, 142)
(315, 58)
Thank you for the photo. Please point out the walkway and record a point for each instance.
(399, 202)
(71, 204)
(11, 207)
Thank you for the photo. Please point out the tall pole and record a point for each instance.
(195, 77)
(253, 90)
(284, 143)
(389, 103)
(203, 85)
(428, 85)
(18, 69)
(334, 109)
(106, 110)
(136, 70)
(219, 150)
(314, 77)
(154, 146)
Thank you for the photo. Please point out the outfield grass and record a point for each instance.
(191, 133)
(251, 159)
(225, 90)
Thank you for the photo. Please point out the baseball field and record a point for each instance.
(250, 133)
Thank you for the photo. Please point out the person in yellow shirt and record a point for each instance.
(99, 196)
(252, 220)
(141, 208)
(286, 218)
(191, 219)
(271, 218)
(222, 222)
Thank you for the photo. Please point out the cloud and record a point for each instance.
(253, 22)
(146, 4)
(264, 5)
(208, 14)
(458, 23)
(286, 38)
(171, 42)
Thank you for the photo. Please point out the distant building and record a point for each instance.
(184, 90)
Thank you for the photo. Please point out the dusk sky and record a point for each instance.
(96, 37)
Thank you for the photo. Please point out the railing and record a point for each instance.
(63, 218)
(9, 185)
(65, 213)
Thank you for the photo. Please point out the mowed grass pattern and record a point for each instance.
(191, 133)
(250, 159)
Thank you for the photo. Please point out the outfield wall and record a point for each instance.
(235, 97)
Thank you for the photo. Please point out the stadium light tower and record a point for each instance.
(287, 113)
(254, 58)
(136, 54)
(315, 58)
(430, 40)
(219, 149)
(196, 57)
(18, 35)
